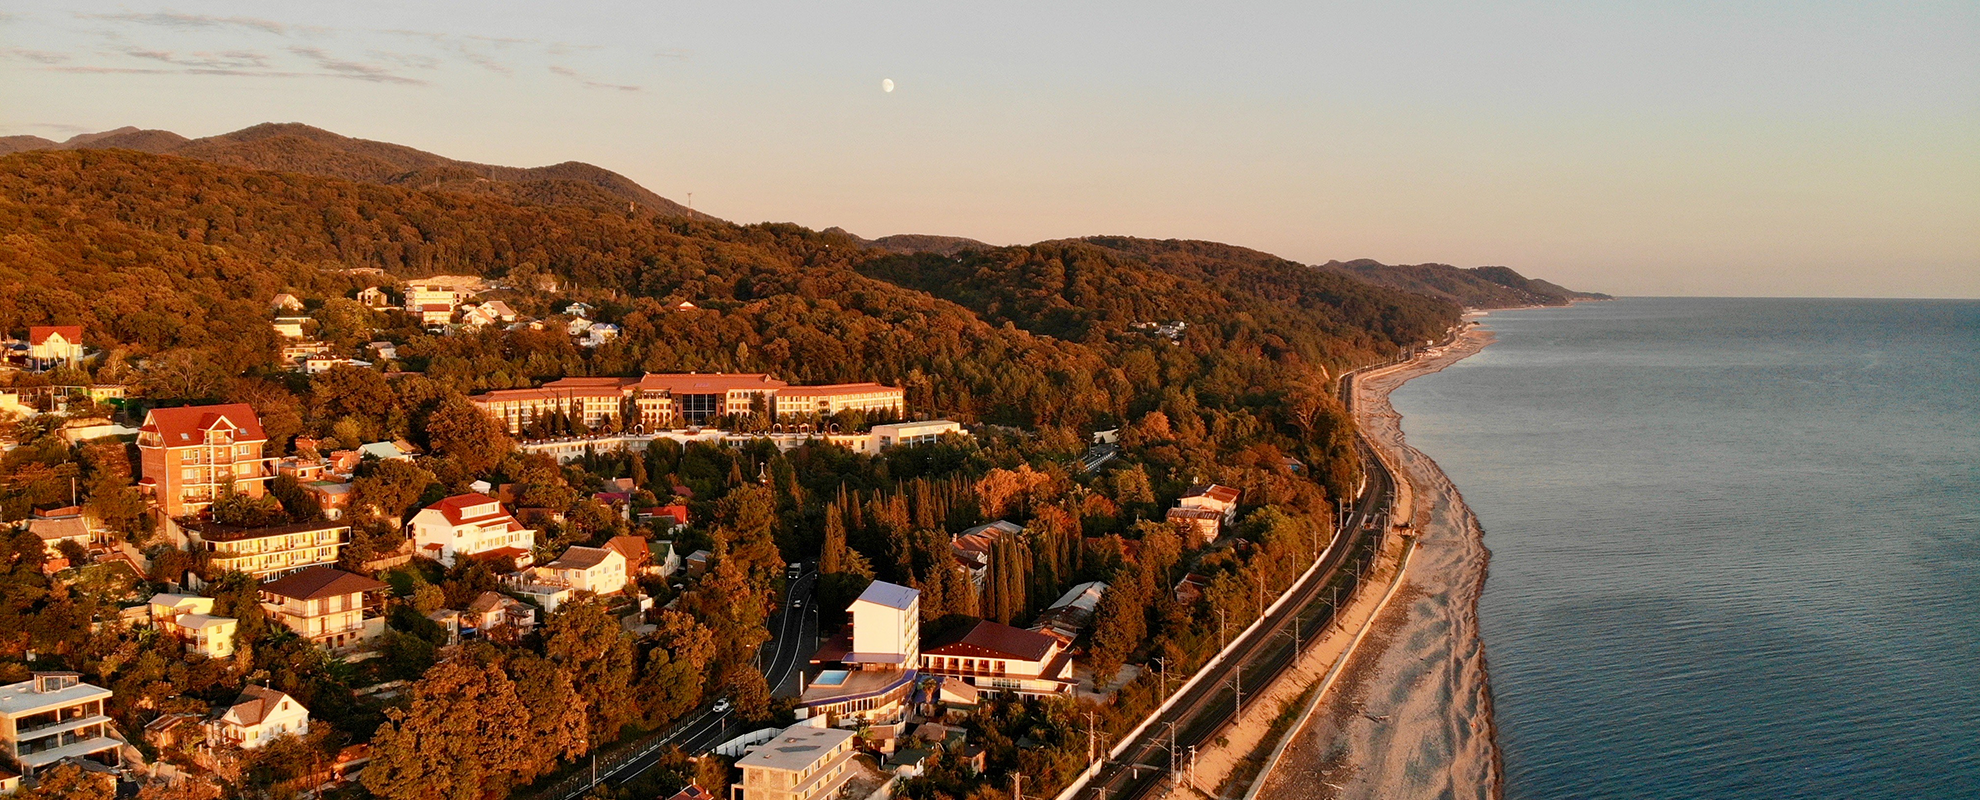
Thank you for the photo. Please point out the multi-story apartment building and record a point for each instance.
(54, 716)
(801, 763)
(326, 606)
(189, 454)
(823, 401)
(272, 551)
(879, 660)
(469, 525)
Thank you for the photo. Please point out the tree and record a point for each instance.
(297, 503)
(390, 487)
(349, 391)
(240, 510)
(557, 714)
(66, 781)
(676, 671)
(182, 374)
(458, 430)
(583, 639)
(464, 735)
(750, 692)
(277, 408)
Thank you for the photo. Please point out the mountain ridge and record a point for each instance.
(307, 150)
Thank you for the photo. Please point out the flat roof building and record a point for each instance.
(54, 716)
(801, 763)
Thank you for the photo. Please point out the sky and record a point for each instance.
(1672, 148)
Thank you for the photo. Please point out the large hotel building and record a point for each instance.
(659, 401)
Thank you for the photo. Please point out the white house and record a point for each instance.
(598, 570)
(1221, 499)
(469, 524)
(50, 344)
(494, 610)
(261, 715)
(189, 619)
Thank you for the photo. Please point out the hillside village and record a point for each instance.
(495, 489)
(297, 570)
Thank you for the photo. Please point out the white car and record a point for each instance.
(721, 705)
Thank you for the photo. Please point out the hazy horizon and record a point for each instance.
(1774, 149)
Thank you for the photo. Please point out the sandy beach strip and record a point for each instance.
(1412, 716)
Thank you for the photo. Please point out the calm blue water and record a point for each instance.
(1736, 544)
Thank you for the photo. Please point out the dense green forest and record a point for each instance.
(1215, 363)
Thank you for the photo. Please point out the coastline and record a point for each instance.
(1412, 716)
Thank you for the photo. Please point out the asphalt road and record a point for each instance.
(793, 638)
(1258, 658)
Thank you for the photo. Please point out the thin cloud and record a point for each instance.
(484, 60)
(229, 60)
(351, 69)
(37, 56)
(588, 82)
(170, 19)
(673, 53)
(500, 39)
(413, 60)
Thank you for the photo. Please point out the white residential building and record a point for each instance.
(54, 716)
(189, 620)
(800, 763)
(261, 715)
(469, 525)
(597, 570)
(886, 626)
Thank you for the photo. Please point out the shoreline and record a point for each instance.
(1412, 715)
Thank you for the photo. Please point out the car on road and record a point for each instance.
(721, 705)
(794, 571)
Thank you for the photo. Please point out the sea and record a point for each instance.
(1735, 544)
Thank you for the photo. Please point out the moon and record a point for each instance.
(886, 84)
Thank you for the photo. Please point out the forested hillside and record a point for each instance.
(1215, 364)
(1476, 287)
(301, 149)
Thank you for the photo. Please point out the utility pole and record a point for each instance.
(1261, 591)
(1172, 752)
(1017, 782)
(1222, 623)
(1162, 667)
(1237, 686)
(1092, 740)
(1192, 766)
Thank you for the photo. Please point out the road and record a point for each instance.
(1257, 658)
(793, 638)
(1097, 455)
(793, 635)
